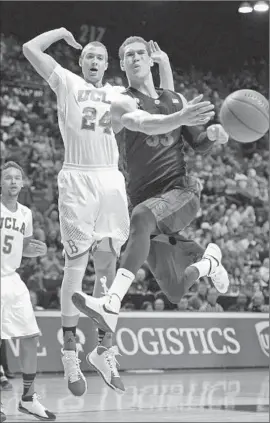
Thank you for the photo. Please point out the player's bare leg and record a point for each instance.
(105, 311)
(103, 357)
(29, 403)
(73, 275)
(171, 260)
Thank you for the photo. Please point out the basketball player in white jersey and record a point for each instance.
(92, 197)
(17, 315)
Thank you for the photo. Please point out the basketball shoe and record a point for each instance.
(3, 417)
(31, 405)
(5, 385)
(101, 310)
(76, 380)
(217, 272)
(104, 362)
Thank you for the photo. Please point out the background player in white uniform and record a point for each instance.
(17, 315)
(92, 196)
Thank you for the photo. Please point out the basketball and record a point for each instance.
(245, 115)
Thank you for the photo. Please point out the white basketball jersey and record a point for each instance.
(84, 119)
(15, 226)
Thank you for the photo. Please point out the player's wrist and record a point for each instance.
(210, 135)
(62, 32)
(164, 59)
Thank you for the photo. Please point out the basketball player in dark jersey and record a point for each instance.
(152, 124)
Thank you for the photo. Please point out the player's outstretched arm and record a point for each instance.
(163, 61)
(34, 49)
(34, 248)
(125, 113)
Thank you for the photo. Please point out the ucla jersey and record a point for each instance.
(154, 162)
(15, 226)
(84, 119)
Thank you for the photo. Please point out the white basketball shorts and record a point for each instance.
(17, 315)
(92, 206)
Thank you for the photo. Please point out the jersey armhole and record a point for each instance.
(183, 99)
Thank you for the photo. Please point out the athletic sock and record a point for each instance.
(28, 386)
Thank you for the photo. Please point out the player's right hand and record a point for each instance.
(69, 39)
(196, 112)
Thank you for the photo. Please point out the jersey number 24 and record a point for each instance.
(90, 121)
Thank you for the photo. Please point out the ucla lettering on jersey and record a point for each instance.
(84, 119)
(14, 227)
(154, 162)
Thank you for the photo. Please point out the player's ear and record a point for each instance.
(122, 66)
(106, 66)
(80, 61)
(151, 62)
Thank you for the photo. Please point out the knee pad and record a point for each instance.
(74, 271)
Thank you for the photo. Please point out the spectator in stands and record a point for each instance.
(183, 305)
(38, 231)
(52, 269)
(129, 306)
(35, 301)
(211, 305)
(159, 304)
(147, 306)
(257, 303)
(264, 272)
(241, 303)
(200, 298)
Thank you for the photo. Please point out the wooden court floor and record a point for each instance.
(173, 396)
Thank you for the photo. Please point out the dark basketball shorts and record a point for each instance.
(175, 209)
(170, 255)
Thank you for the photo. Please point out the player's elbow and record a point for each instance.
(26, 49)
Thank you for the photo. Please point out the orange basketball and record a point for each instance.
(245, 115)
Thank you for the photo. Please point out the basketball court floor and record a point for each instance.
(173, 396)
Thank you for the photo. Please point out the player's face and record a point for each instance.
(12, 182)
(136, 62)
(94, 64)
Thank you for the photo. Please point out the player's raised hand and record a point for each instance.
(69, 39)
(196, 112)
(157, 54)
(217, 133)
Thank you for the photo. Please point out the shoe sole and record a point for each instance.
(79, 302)
(103, 377)
(222, 291)
(25, 411)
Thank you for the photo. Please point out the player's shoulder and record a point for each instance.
(63, 72)
(176, 97)
(116, 89)
(123, 103)
(24, 210)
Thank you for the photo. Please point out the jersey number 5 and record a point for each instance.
(89, 120)
(7, 247)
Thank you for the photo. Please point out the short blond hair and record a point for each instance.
(95, 44)
(131, 40)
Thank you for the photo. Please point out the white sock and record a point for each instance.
(203, 267)
(121, 283)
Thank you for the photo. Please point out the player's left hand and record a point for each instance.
(217, 133)
(157, 54)
(38, 247)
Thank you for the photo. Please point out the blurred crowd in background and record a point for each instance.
(234, 178)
